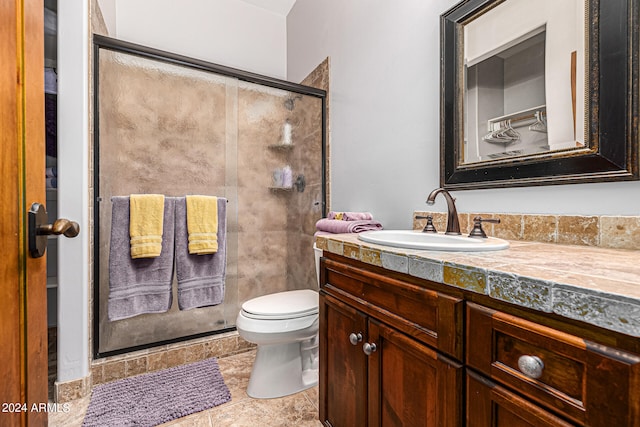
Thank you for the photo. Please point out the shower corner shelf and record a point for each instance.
(299, 184)
(281, 147)
(281, 189)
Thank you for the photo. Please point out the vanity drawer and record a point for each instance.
(434, 318)
(489, 405)
(588, 383)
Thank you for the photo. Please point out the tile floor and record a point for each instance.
(299, 410)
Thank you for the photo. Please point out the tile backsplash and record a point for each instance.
(617, 232)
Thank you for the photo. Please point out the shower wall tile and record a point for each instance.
(262, 212)
(155, 361)
(310, 209)
(135, 366)
(156, 146)
(305, 209)
(309, 156)
(253, 287)
(265, 253)
(114, 371)
(96, 374)
(176, 357)
(98, 26)
(264, 264)
(194, 353)
(301, 267)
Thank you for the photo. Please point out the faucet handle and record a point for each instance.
(477, 226)
(429, 228)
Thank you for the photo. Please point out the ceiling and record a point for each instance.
(280, 7)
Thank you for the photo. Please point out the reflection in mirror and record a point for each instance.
(539, 92)
(524, 80)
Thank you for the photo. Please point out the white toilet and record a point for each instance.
(284, 326)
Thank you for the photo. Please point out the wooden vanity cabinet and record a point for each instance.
(516, 369)
(377, 367)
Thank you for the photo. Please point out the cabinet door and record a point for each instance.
(489, 405)
(343, 368)
(410, 384)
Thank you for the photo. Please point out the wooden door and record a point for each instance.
(343, 368)
(23, 298)
(411, 384)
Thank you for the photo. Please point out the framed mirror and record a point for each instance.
(537, 93)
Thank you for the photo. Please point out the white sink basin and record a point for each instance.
(412, 239)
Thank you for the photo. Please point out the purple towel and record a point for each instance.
(201, 278)
(337, 226)
(351, 216)
(142, 285)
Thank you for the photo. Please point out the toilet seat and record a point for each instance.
(282, 305)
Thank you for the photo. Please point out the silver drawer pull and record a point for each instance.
(531, 366)
(354, 338)
(369, 348)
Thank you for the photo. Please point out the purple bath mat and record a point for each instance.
(157, 397)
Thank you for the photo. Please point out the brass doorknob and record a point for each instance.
(39, 229)
(60, 226)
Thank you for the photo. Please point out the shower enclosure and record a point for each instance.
(172, 125)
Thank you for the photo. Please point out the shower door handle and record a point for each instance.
(39, 229)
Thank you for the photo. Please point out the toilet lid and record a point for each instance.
(283, 305)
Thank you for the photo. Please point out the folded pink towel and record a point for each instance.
(350, 216)
(337, 226)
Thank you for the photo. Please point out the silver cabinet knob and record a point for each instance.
(531, 366)
(354, 338)
(369, 348)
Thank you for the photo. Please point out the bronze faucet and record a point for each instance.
(453, 225)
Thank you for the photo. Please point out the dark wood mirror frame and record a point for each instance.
(612, 105)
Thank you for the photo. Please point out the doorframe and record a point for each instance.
(74, 192)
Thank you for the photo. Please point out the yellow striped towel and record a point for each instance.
(202, 224)
(146, 216)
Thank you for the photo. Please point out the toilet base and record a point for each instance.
(283, 369)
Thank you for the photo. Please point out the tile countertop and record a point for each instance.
(594, 285)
